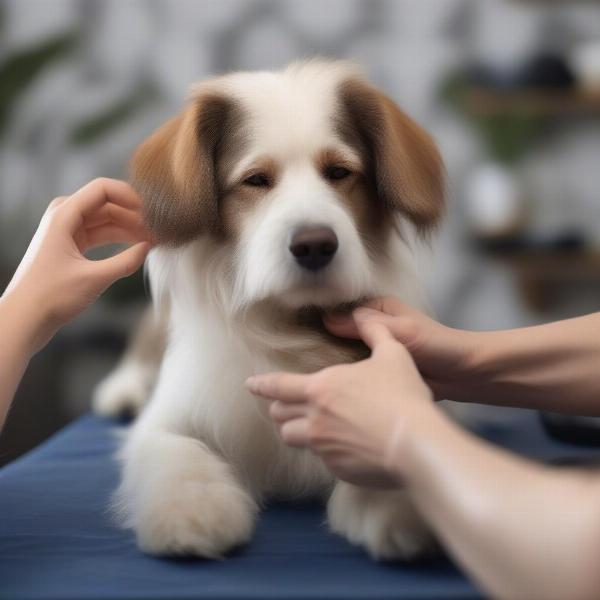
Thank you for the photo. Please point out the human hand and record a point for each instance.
(358, 416)
(55, 281)
(444, 356)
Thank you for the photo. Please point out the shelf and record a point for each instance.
(539, 273)
(485, 102)
(563, 266)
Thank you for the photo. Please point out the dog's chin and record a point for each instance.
(321, 299)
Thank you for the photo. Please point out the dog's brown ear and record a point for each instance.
(401, 157)
(174, 171)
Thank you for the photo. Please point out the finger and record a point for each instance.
(341, 324)
(124, 263)
(387, 305)
(60, 200)
(373, 332)
(345, 325)
(287, 387)
(405, 328)
(97, 193)
(384, 345)
(108, 234)
(113, 213)
(281, 411)
(101, 235)
(295, 432)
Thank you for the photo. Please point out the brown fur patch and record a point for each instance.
(262, 166)
(175, 169)
(240, 199)
(401, 160)
(330, 157)
(371, 217)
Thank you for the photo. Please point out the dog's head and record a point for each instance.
(304, 175)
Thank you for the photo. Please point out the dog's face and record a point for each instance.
(304, 175)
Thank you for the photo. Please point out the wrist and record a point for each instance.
(408, 435)
(27, 317)
(476, 367)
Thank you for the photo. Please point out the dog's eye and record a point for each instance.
(257, 180)
(336, 173)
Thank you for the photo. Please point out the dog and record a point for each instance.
(274, 197)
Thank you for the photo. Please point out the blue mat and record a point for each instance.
(57, 540)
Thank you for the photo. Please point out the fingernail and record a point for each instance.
(252, 383)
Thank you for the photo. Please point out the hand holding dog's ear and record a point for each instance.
(55, 281)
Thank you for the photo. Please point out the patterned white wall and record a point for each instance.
(407, 46)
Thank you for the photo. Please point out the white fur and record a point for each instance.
(204, 453)
(267, 269)
(125, 390)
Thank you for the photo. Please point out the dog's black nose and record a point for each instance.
(313, 247)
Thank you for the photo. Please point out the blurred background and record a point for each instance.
(509, 89)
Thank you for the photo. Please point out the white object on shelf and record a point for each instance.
(493, 201)
(585, 62)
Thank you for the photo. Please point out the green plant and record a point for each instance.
(19, 70)
(508, 135)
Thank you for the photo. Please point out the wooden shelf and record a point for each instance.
(485, 102)
(540, 273)
(563, 266)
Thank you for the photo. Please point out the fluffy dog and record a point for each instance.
(274, 196)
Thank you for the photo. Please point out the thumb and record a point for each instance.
(124, 263)
(345, 324)
(341, 324)
(380, 338)
(373, 332)
(404, 328)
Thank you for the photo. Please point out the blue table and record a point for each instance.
(57, 540)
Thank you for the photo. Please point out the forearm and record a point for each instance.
(519, 529)
(551, 367)
(18, 328)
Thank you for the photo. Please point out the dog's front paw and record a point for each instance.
(199, 519)
(384, 522)
(124, 392)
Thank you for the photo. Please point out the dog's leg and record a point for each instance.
(180, 498)
(125, 391)
(383, 521)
